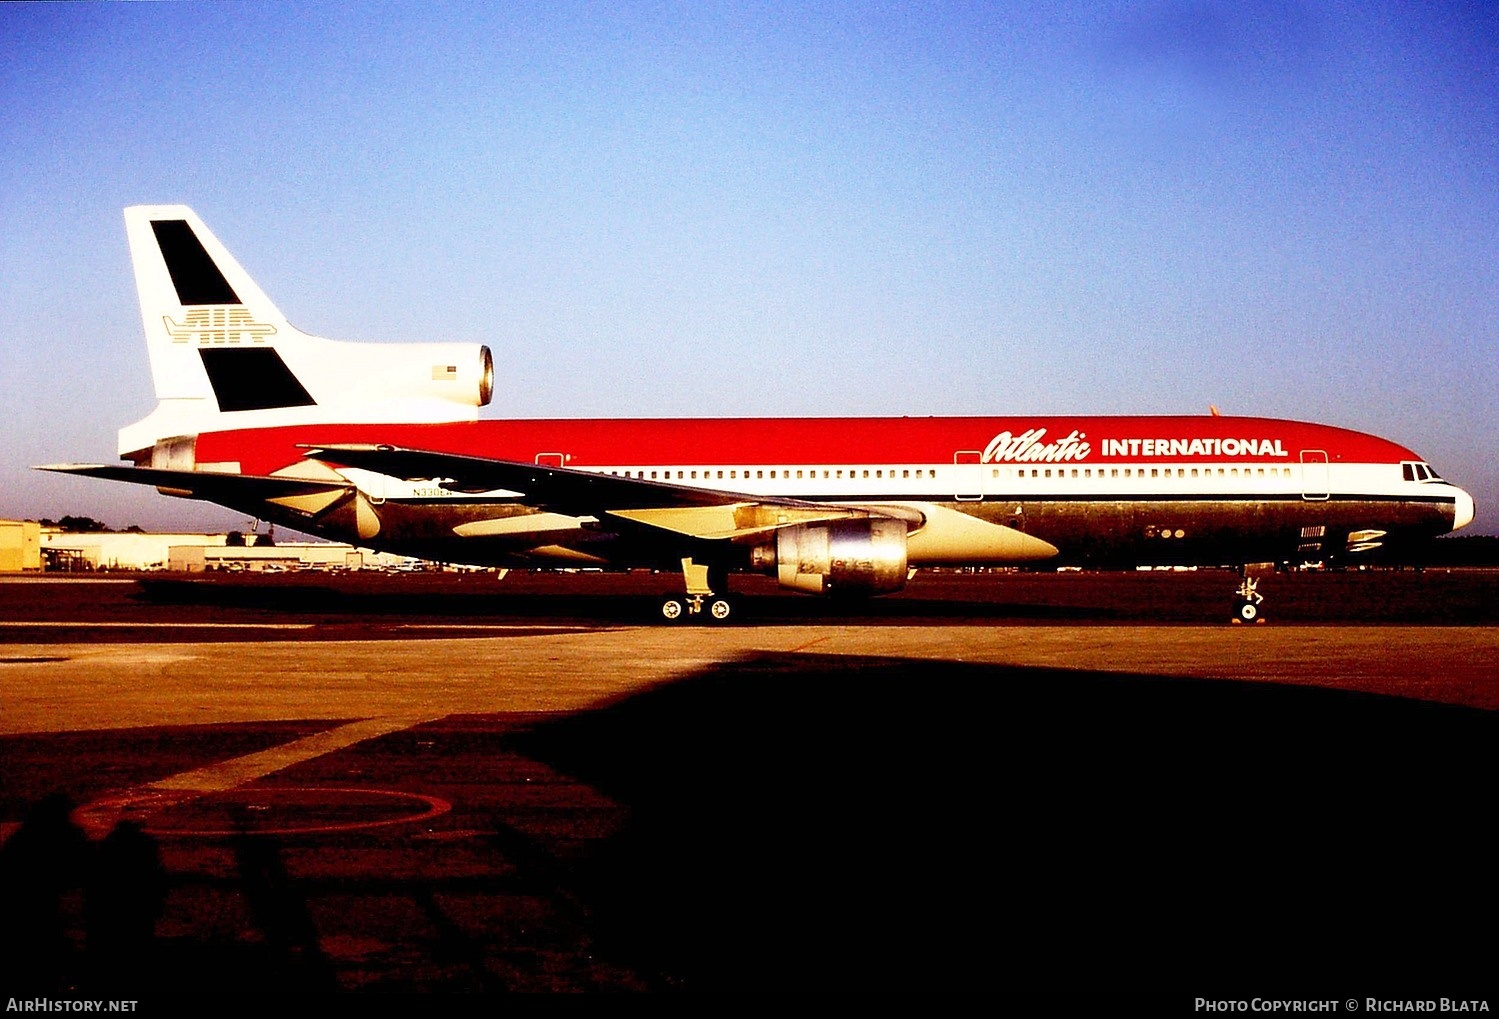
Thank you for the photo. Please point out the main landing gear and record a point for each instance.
(714, 609)
(707, 597)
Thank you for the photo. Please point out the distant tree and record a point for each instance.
(268, 539)
(82, 525)
(234, 539)
(134, 529)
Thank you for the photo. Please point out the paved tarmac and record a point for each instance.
(61, 687)
(575, 803)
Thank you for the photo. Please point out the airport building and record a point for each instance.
(20, 546)
(27, 547)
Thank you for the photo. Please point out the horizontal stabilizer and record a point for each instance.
(215, 487)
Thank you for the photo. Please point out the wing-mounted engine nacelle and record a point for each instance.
(861, 556)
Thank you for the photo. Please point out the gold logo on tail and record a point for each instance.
(211, 326)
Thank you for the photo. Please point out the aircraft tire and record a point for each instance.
(672, 610)
(1249, 611)
(720, 609)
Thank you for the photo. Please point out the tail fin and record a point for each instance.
(209, 329)
(223, 356)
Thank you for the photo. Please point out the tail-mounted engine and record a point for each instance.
(862, 556)
(340, 372)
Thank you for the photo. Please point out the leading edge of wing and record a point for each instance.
(557, 488)
(698, 512)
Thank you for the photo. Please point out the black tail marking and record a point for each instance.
(197, 279)
(252, 378)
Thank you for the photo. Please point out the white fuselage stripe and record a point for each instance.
(963, 482)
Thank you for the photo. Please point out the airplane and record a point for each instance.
(381, 445)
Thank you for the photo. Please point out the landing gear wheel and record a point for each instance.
(1249, 600)
(720, 609)
(672, 609)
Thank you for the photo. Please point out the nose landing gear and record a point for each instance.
(1247, 607)
(1249, 602)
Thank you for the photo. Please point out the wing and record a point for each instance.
(695, 512)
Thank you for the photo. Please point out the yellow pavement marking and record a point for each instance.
(238, 770)
(98, 817)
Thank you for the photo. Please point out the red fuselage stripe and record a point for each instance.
(795, 442)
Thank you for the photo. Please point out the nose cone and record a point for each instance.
(1462, 510)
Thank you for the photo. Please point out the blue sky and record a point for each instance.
(1283, 209)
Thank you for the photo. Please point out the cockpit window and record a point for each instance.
(1416, 471)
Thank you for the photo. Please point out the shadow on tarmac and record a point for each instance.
(804, 823)
(822, 823)
(627, 608)
(1462, 598)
